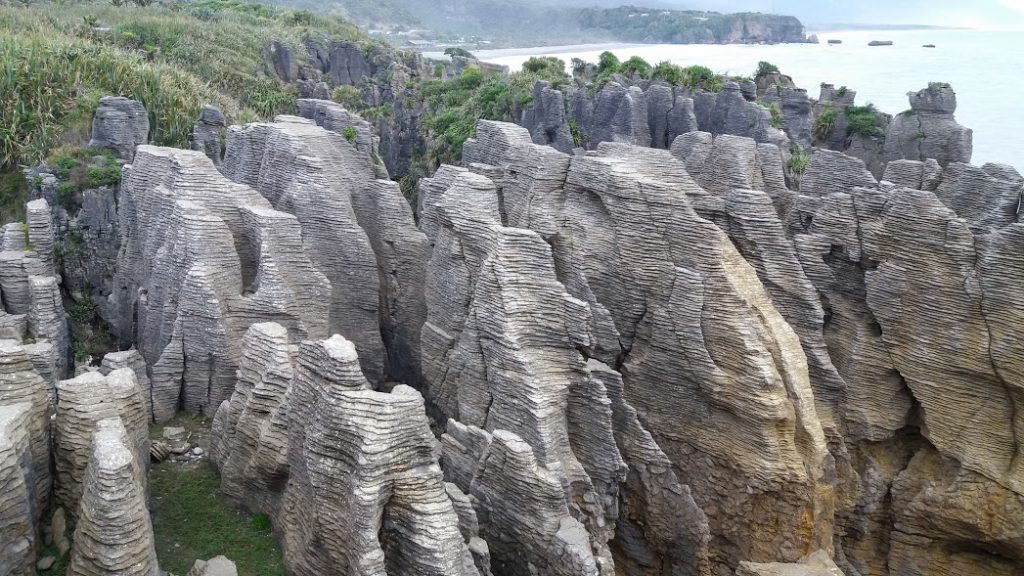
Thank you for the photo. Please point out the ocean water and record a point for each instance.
(986, 69)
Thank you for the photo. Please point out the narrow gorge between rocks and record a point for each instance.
(669, 350)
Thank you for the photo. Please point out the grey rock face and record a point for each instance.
(988, 197)
(335, 118)
(929, 129)
(209, 135)
(831, 172)
(202, 259)
(19, 514)
(619, 115)
(131, 359)
(629, 319)
(546, 119)
(349, 475)
(120, 124)
(817, 564)
(84, 402)
(312, 173)
(217, 566)
(249, 440)
(114, 534)
(21, 386)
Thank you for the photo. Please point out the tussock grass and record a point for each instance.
(56, 61)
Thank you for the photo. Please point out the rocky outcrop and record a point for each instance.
(113, 534)
(349, 474)
(310, 172)
(616, 114)
(133, 360)
(546, 119)
(19, 513)
(928, 129)
(84, 402)
(120, 124)
(249, 440)
(209, 135)
(29, 426)
(202, 259)
(817, 564)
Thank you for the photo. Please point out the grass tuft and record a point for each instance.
(192, 523)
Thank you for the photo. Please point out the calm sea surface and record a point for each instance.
(985, 68)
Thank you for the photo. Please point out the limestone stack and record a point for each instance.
(19, 513)
(113, 534)
(202, 259)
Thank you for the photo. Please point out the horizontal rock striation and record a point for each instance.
(355, 230)
(113, 534)
(120, 124)
(19, 513)
(84, 402)
(29, 425)
(350, 475)
(202, 259)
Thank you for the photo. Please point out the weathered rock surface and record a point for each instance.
(120, 124)
(19, 513)
(929, 129)
(350, 475)
(202, 259)
(546, 119)
(114, 534)
(217, 566)
(209, 134)
(817, 564)
(21, 386)
(131, 359)
(84, 402)
(312, 173)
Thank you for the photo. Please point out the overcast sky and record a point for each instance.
(970, 13)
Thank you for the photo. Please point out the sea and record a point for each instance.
(985, 68)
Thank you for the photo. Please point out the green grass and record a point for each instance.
(13, 194)
(864, 120)
(825, 124)
(764, 68)
(798, 163)
(56, 61)
(191, 522)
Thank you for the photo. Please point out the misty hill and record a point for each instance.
(532, 22)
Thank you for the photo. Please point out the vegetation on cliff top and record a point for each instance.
(56, 61)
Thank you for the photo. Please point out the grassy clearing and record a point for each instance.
(191, 522)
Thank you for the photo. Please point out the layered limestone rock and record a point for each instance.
(19, 513)
(249, 440)
(817, 564)
(84, 402)
(929, 129)
(772, 460)
(988, 197)
(209, 134)
(21, 386)
(133, 360)
(333, 117)
(616, 114)
(202, 259)
(546, 119)
(831, 172)
(120, 124)
(728, 112)
(350, 475)
(113, 534)
(312, 173)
